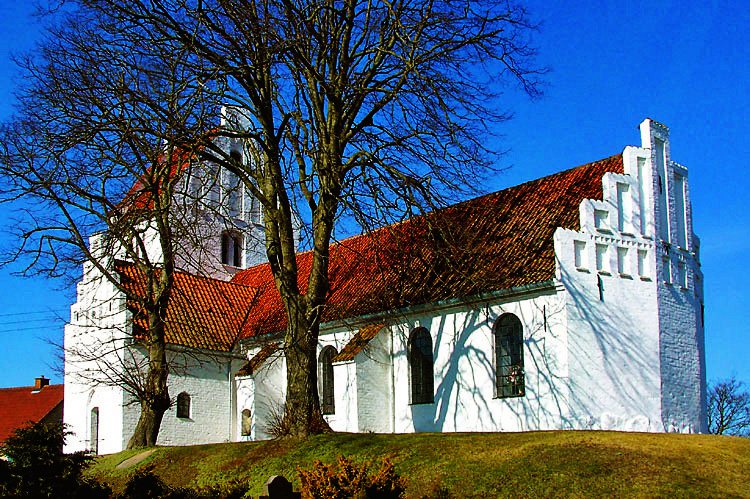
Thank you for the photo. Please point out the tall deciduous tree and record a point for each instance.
(106, 116)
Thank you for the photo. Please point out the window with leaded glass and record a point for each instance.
(327, 404)
(421, 367)
(509, 371)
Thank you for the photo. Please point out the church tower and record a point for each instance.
(222, 222)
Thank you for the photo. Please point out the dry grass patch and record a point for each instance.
(557, 463)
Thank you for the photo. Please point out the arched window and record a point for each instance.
(231, 248)
(421, 367)
(183, 405)
(94, 440)
(246, 423)
(327, 404)
(509, 372)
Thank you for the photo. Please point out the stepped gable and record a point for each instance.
(498, 241)
(27, 404)
(203, 313)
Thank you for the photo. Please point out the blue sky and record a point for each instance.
(612, 64)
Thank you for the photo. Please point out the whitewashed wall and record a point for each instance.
(465, 389)
(374, 377)
(209, 380)
(95, 342)
(268, 387)
(680, 291)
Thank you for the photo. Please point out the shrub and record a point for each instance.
(277, 425)
(144, 484)
(231, 489)
(37, 467)
(349, 479)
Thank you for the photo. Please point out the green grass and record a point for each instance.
(533, 464)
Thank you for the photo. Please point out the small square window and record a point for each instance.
(643, 270)
(579, 248)
(623, 262)
(601, 258)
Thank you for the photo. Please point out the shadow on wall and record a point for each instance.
(465, 383)
(614, 361)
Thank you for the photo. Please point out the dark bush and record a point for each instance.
(37, 467)
(144, 484)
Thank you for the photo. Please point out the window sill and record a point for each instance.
(645, 278)
(603, 272)
(581, 269)
(625, 276)
(627, 234)
(501, 397)
(432, 402)
(604, 230)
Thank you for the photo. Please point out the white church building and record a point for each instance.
(574, 301)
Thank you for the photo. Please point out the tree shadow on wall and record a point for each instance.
(614, 364)
(465, 393)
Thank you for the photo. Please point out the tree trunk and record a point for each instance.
(155, 401)
(302, 411)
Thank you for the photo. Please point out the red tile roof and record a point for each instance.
(498, 241)
(139, 197)
(19, 406)
(203, 312)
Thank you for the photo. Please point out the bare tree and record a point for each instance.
(357, 110)
(351, 111)
(106, 119)
(729, 408)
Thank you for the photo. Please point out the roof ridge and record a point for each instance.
(196, 276)
(31, 387)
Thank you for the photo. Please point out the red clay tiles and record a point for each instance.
(494, 242)
(358, 342)
(202, 313)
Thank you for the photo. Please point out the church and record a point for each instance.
(574, 301)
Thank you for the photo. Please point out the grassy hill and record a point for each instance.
(555, 463)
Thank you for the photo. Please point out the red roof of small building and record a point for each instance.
(202, 313)
(498, 241)
(358, 342)
(22, 405)
(260, 358)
